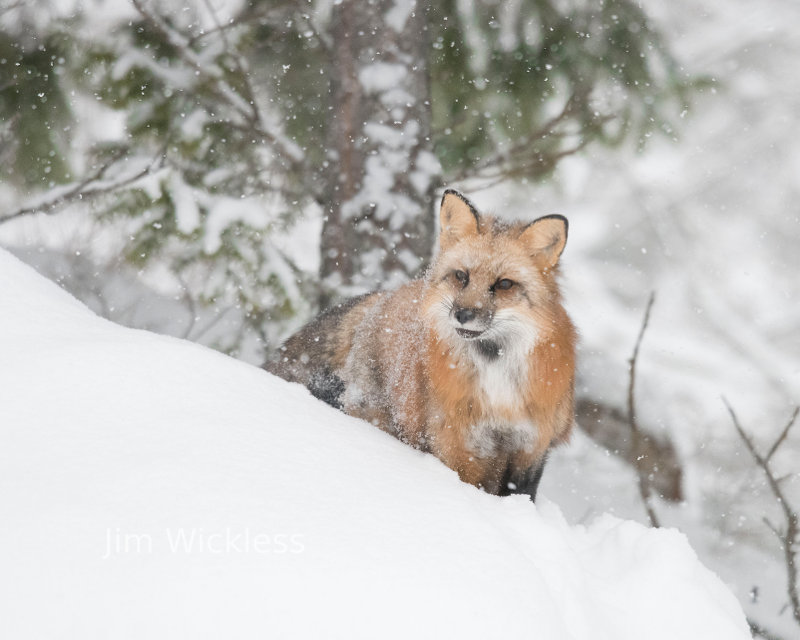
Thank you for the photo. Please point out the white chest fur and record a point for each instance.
(502, 379)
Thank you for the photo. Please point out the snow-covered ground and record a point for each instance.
(151, 487)
(708, 220)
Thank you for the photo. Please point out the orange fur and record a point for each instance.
(474, 363)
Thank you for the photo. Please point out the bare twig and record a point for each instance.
(759, 631)
(782, 437)
(638, 437)
(190, 303)
(211, 324)
(788, 537)
(88, 188)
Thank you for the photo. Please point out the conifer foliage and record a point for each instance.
(237, 118)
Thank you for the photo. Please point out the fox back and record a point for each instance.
(474, 362)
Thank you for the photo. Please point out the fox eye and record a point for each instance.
(503, 284)
(462, 277)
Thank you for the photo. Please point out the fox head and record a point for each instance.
(493, 285)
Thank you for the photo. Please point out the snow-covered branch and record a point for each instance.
(93, 185)
(246, 107)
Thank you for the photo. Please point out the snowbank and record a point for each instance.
(150, 487)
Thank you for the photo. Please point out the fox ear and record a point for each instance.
(458, 219)
(545, 239)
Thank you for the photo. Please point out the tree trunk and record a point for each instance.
(381, 172)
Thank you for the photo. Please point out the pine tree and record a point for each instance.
(238, 122)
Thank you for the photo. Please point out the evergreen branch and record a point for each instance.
(241, 66)
(6, 132)
(87, 189)
(246, 108)
(180, 43)
(10, 7)
(259, 14)
(789, 537)
(207, 33)
(325, 42)
(523, 158)
(545, 131)
(537, 165)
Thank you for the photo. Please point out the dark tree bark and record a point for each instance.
(381, 172)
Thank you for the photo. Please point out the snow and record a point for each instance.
(133, 58)
(378, 77)
(151, 487)
(187, 213)
(398, 15)
(716, 213)
(225, 212)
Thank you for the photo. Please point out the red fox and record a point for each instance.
(474, 362)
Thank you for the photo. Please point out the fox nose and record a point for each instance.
(465, 315)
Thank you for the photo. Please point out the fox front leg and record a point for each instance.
(482, 472)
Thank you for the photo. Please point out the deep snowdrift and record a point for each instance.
(153, 488)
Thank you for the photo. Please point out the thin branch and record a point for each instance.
(772, 528)
(545, 131)
(190, 303)
(523, 158)
(211, 324)
(536, 165)
(782, 437)
(88, 188)
(759, 631)
(241, 66)
(325, 42)
(789, 537)
(638, 437)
